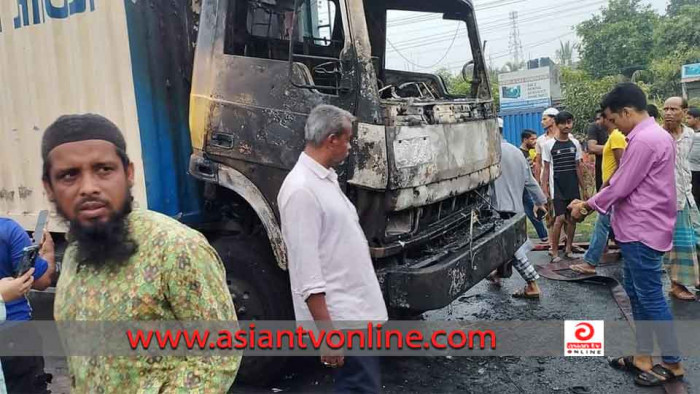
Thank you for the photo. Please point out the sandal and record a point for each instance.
(624, 364)
(556, 260)
(494, 279)
(524, 294)
(681, 294)
(583, 268)
(577, 249)
(656, 377)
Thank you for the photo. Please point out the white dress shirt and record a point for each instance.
(328, 251)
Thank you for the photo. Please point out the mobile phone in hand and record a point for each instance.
(30, 253)
(541, 213)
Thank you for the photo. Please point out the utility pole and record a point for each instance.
(514, 45)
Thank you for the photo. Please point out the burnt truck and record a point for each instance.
(213, 95)
(422, 160)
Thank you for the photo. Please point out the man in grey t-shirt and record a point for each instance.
(507, 198)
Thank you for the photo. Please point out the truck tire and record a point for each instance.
(260, 291)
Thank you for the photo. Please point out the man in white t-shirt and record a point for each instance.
(550, 129)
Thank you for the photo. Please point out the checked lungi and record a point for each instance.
(523, 265)
(681, 262)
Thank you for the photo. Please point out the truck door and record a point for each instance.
(261, 66)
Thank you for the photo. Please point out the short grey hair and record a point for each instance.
(324, 121)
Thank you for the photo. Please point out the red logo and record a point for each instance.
(584, 333)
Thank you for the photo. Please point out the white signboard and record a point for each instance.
(525, 89)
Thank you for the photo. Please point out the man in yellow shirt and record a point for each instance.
(612, 154)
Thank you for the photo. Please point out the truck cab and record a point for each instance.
(422, 159)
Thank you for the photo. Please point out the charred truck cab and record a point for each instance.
(421, 165)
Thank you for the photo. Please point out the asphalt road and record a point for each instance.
(561, 301)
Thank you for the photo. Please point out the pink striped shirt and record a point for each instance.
(642, 193)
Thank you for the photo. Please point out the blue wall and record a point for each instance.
(161, 55)
(515, 122)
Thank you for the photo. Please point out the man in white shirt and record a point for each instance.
(331, 273)
(550, 129)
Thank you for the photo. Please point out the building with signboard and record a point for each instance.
(690, 79)
(525, 94)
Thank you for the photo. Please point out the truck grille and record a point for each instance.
(410, 223)
(435, 226)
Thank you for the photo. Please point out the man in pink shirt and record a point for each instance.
(643, 195)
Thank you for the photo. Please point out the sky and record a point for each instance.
(425, 42)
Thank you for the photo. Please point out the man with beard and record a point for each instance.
(682, 261)
(124, 265)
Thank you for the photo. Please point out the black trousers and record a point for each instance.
(26, 375)
(358, 375)
(696, 187)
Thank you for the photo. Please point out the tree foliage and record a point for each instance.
(456, 84)
(582, 95)
(565, 53)
(678, 34)
(630, 41)
(619, 40)
(674, 6)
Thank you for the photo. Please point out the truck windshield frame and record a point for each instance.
(455, 10)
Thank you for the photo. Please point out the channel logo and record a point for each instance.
(584, 338)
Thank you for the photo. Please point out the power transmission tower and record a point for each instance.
(515, 46)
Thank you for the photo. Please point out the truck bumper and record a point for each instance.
(420, 288)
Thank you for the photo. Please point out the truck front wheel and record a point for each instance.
(260, 291)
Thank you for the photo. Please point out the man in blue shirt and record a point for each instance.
(24, 374)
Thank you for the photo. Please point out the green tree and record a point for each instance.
(674, 6)
(665, 73)
(456, 84)
(618, 40)
(582, 95)
(679, 32)
(565, 53)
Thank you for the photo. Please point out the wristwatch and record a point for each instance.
(584, 211)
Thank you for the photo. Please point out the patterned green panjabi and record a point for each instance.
(174, 275)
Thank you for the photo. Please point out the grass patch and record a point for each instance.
(583, 229)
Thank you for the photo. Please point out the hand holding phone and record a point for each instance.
(540, 212)
(30, 253)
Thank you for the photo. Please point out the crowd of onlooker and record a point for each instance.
(647, 173)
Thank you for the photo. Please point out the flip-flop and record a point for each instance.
(494, 280)
(624, 364)
(525, 295)
(556, 260)
(581, 270)
(577, 249)
(651, 378)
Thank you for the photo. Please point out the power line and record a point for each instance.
(439, 37)
(434, 16)
(436, 63)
